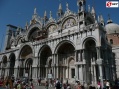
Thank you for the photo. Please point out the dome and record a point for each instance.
(112, 28)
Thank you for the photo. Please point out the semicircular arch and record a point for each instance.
(68, 21)
(42, 47)
(26, 48)
(87, 39)
(61, 43)
(32, 29)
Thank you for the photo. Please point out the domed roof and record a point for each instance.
(112, 28)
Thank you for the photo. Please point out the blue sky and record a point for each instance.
(17, 12)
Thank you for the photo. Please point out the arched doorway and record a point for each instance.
(65, 52)
(26, 53)
(71, 67)
(91, 57)
(4, 64)
(12, 64)
(45, 54)
(28, 68)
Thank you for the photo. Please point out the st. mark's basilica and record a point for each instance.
(76, 46)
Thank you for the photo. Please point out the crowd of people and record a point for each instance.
(12, 83)
(25, 83)
(58, 84)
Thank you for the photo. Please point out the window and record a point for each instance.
(72, 73)
(111, 41)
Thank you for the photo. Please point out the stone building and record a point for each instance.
(74, 47)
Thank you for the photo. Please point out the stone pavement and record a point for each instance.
(42, 87)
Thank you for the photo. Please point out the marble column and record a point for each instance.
(76, 59)
(57, 72)
(46, 72)
(95, 79)
(99, 62)
(82, 74)
(76, 72)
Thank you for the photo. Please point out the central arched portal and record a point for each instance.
(25, 62)
(45, 61)
(66, 67)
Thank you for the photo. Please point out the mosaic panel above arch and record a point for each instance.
(69, 23)
(52, 28)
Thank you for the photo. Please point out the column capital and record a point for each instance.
(46, 65)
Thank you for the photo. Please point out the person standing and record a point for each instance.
(39, 81)
(78, 86)
(46, 85)
(58, 86)
(107, 85)
(99, 85)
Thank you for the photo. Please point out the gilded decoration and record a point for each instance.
(69, 23)
(52, 28)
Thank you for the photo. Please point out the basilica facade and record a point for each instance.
(73, 47)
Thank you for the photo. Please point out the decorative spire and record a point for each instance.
(88, 8)
(60, 11)
(26, 25)
(45, 17)
(60, 6)
(35, 11)
(93, 10)
(109, 19)
(50, 14)
(101, 20)
(67, 6)
(45, 14)
(81, 4)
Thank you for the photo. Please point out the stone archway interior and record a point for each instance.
(25, 54)
(4, 64)
(33, 34)
(44, 56)
(12, 64)
(90, 56)
(65, 51)
(28, 67)
(4, 61)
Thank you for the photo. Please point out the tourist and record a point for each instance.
(58, 85)
(68, 86)
(50, 83)
(99, 85)
(1, 82)
(39, 81)
(65, 86)
(78, 86)
(46, 85)
(107, 85)
(31, 87)
(19, 86)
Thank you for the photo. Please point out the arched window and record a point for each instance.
(111, 41)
